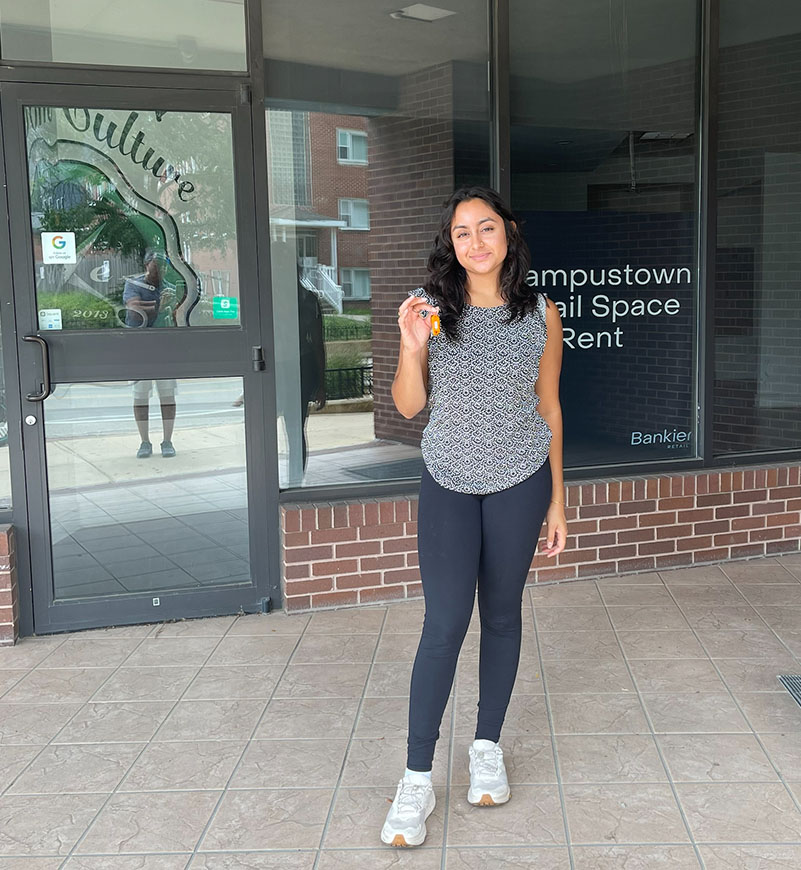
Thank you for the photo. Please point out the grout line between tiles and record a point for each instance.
(335, 793)
(658, 748)
(148, 743)
(552, 733)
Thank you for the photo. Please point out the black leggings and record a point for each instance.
(464, 539)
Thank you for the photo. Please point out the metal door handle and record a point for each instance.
(46, 387)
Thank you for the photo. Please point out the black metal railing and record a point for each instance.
(349, 383)
(337, 330)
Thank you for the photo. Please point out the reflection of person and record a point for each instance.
(146, 297)
(493, 470)
(312, 358)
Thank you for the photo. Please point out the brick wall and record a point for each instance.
(410, 175)
(362, 552)
(9, 597)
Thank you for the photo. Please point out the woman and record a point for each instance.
(493, 471)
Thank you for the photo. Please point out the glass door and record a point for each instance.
(140, 345)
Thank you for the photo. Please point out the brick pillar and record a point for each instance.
(9, 597)
(411, 173)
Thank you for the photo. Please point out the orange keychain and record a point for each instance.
(435, 324)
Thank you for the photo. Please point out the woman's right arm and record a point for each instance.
(410, 387)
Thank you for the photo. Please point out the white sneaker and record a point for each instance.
(406, 819)
(489, 785)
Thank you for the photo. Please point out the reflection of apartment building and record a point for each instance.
(318, 194)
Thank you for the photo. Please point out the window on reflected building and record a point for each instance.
(372, 122)
(757, 387)
(603, 175)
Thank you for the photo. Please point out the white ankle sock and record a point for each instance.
(484, 745)
(418, 776)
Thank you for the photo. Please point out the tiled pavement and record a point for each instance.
(647, 730)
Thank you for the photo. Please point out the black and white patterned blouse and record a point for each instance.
(484, 432)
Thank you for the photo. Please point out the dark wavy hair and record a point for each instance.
(447, 278)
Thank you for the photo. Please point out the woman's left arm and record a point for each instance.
(547, 388)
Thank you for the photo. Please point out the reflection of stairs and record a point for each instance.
(321, 280)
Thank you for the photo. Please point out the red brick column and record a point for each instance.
(9, 597)
(366, 552)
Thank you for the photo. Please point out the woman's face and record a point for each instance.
(478, 235)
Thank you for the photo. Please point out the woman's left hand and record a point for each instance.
(556, 526)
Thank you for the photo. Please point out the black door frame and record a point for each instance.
(227, 352)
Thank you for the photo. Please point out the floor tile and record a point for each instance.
(385, 717)
(660, 645)
(397, 648)
(216, 626)
(328, 648)
(566, 645)
(756, 675)
(229, 683)
(381, 762)
(701, 575)
(45, 824)
(91, 653)
(33, 723)
(763, 857)
(253, 650)
(533, 816)
(308, 718)
(270, 624)
(211, 720)
(353, 620)
(679, 675)
(29, 651)
(269, 819)
(285, 763)
(785, 752)
(323, 681)
(715, 712)
(115, 722)
(77, 768)
(145, 684)
(609, 758)
(588, 675)
(742, 812)
(716, 758)
(59, 685)
(726, 644)
(636, 595)
(707, 596)
(635, 858)
(740, 617)
(780, 618)
(255, 861)
(166, 821)
(193, 764)
(389, 679)
(173, 652)
(10, 677)
(405, 618)
(623, 813)
(758, 571)
(770, 711)
(775, 594)
(519, 858)
(598, 714)
(127, 862)
(359, 814)
(647, 617)
(572, 619)
(13, 760)
(645, 578)
(528, 760)
(565, 595)
(420, 858)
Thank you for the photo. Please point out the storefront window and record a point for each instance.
(180, 34)
(604, 146)
(757, 393)
(372, 121)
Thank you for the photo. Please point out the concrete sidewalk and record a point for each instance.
(647, 730)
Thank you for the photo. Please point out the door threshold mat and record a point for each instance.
(398, 468)
(792, 682)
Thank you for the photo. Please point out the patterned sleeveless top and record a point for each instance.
(484, 432)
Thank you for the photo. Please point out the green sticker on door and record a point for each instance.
(225, 308)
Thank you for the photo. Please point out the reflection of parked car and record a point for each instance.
(3, 419)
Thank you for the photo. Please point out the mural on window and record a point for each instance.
(133, 218)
